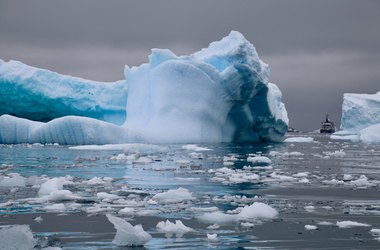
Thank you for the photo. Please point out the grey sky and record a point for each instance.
(316, 50)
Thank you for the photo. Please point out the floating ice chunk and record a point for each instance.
(259, 159)
(338, 153)
(14, 181)
(347, 177)
(17, 237)
(169, 228)
(195, 147)
(301, 174)
(212, 237)
(196, 155)
(143, 160)
(60, 207)
(144, 149)
(257, 210)
(228, 163)
(126, 234)
(299, 139)
(304, 180)
(173, 196)
(95, 181)
(310, 208)
(187, 179)
(310, 227)
(38, 219)
(127, 211)
(333, 182)
(362, 181)
(325, 223)
(103, 195)
(247, 224)
(349, 224)
(214, 226)
(51, 185)
(62, 195)
(375, 232)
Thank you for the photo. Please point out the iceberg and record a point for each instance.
(218, 94)
(359, 111)
(360, 118)
(41, 95)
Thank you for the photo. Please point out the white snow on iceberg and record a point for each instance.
(220, 93)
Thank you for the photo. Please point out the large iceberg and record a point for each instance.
(220, 93)
(360, 117)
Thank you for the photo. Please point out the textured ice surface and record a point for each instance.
(359, 111)
(299, 139)
(126, 234)
(42, 95)
(173, 196)
(220, 93)
(17, 237)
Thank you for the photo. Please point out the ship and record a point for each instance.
(327, 126)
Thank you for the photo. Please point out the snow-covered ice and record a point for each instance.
(299, 139)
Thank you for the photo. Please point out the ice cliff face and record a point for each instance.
(360, 111)
(361, 118)
(217, 94)
(42, 95)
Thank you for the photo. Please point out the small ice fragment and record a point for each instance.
(214, 226)
(169, 228)
(310, 227)
(38, 219)
(299, 139)
(173, 196)
(212, 237)
(247, 224)
(349, 224)
(126, 234)
(257, 210)
(259, 159)
(127, 211)
(375, 232)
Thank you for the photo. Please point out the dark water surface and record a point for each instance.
(321, 190)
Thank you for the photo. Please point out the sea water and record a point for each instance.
(324, 191)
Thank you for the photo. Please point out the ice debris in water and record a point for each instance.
(17, 237)
(173, 196)
(212, 237)
(259, 159)
(310, 227)
(13, 180)
(126, 234)
(257, 210)
(349, 224)
(195, 147)
(51, 185)
(299, 139)
(169, 228)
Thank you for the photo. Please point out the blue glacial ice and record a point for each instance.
(360, 118)
(220, 93)
(42, 95)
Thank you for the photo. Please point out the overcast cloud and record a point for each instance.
(316, 50)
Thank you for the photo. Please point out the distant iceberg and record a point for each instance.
(360, 118)
(218, 94)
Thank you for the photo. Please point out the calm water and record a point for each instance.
(321, 190)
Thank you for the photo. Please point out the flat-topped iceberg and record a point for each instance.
(360, 118)
(220, 93)
(42, 95)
